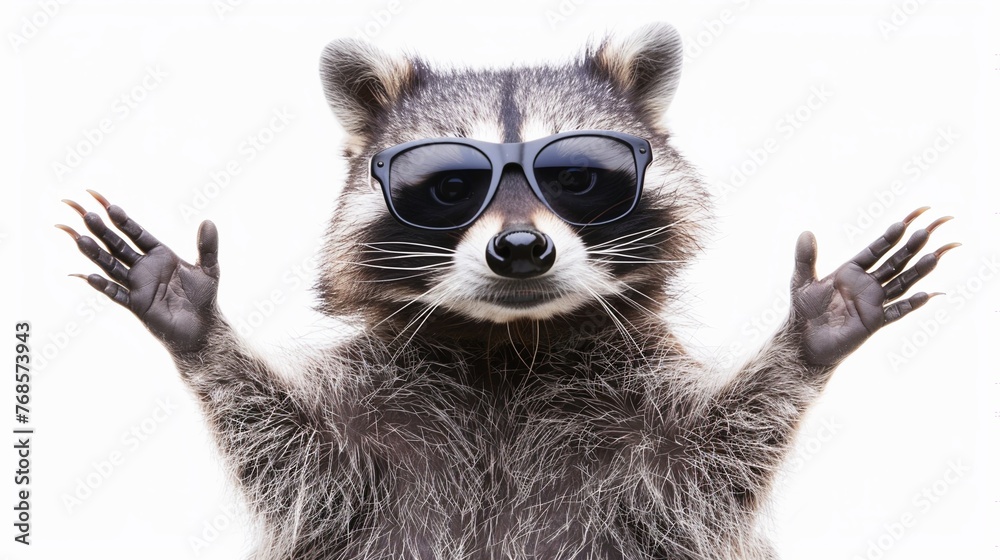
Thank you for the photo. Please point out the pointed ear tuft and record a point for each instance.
(645, 65)
(361, 83)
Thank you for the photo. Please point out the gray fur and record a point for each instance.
(591, 433)
(543, 439)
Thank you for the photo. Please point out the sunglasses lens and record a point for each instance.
(439, 185)
(588, 179)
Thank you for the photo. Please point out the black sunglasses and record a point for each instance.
(586, 177)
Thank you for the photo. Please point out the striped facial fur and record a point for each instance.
(389, 272)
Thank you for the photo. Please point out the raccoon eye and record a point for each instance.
(451, 190)
(577, 180)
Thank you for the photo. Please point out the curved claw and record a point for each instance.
(915, 214)
(937, 223)
(945, 249)
(79, 209)
(841, 311)
(72, 233)
(104, 202)
(115, 292)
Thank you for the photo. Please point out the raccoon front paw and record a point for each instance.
(175, 300)
(837, 314)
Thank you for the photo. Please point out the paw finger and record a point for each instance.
(142, 238)
(898, 261)
(900, 309)
(900, 284)
(208, 248)
(872, 253)
(901, 258)
(805, 260)
(115, 244)
(117, 293)
(99, 256)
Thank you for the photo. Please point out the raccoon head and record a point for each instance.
(518, 261)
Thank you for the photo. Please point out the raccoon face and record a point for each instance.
(503, 224)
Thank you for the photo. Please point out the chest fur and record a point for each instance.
(482, 455)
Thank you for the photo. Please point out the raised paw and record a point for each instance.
(838, 313)
(174, 299)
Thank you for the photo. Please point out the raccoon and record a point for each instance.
(507, 244)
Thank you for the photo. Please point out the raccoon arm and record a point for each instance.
(270, 429)
(748, 425)
(745, 429)
(273, 435)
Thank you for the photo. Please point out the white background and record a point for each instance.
(915, 409)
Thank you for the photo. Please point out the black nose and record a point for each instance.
(520, 253)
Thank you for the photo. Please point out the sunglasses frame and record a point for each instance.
(502, 154)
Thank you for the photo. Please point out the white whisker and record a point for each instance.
(632, 248)
(636, 305)
(632, 259)
(375, 244)
(405, 255)
(641, 294)
(409, 303)
(420, 275)
(614, 318)
(646, 233)
(432, 266)
(422, 316)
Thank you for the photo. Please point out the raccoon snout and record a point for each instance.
(520, 253)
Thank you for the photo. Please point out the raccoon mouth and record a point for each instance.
(522, 299)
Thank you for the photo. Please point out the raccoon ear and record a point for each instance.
(645, 65)
(361, 83)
